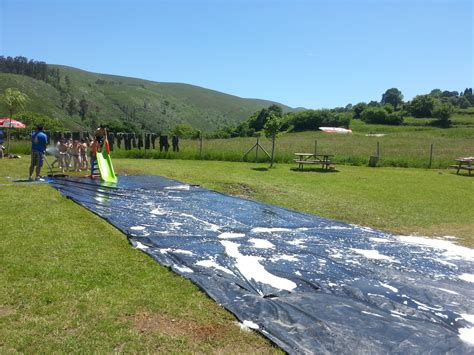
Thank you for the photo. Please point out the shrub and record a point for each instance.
(422, 106)
(379, 115)
(443, 112)
(311, 120)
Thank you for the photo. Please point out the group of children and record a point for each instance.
(74, 153)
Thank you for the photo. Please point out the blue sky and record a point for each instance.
(301, 53)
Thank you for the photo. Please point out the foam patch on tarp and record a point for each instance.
(309, 284)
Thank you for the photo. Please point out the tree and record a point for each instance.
(422, 106)
(33, 119)
(272, 127)
(358, 108)
(72, 107)
(15, 100)
(83, 108)
(185, 130)
(393, 97)
(443, 113)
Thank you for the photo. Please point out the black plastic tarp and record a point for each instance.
(310, 284)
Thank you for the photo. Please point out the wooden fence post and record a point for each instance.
(256, 150)
(431, 156)
(200, 145)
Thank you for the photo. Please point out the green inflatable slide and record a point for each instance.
(105, 166)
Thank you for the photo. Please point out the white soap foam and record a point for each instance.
(467, 277)
(251, 268)
(209, 226)
(250, 324)
(137, 228)
(230, 235)
(183, 268)
(467, 335)
(213, 264)
(451, 250)
(337, 227)
(444, 262)
(180, 251)
(177, 187)
(284, 257)
(261, 243)
(141, 246)
(468, 317)
(158, 212)
(374, 254)
(297, 242)
(448, 291)
(269, 230)
(380, 240)
(391, 288)
(372, 314)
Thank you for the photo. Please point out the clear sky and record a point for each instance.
(300, 53)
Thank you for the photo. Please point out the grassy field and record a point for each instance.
(71, 283)
(401, 146)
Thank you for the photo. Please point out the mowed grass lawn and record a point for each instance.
(70, 282)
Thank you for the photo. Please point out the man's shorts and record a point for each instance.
(37, 158)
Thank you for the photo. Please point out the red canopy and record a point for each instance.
(10, 123)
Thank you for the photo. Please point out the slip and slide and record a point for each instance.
(310, 284)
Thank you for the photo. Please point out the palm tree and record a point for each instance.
(15, 100)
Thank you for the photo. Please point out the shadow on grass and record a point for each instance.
(318, 170)
(260, 169)
(463, 175)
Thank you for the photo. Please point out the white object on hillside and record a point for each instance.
(335, 130)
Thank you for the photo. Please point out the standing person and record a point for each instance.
(83, 150)
(63, 161)
(93, 152)
(100, 136)
(39, 142)
(76, 155)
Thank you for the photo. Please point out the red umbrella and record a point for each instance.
(10, 123)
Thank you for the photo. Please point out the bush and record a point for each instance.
(422, 106)
(359, 108)
(379, 115)
(443, 112)
(32, 119)
(311, 120)
(185, 130)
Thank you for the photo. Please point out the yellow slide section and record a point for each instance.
(105, 166)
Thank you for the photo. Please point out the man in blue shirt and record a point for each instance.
(39, 142)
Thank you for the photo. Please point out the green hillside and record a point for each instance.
(148, 105)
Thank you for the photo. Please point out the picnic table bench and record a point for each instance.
(464, 164)
(311, 158)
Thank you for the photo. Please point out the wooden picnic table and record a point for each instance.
(310, 158)
(464, 164)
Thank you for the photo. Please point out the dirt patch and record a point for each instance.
(174, 327)
(239, 189)
(226, 337)
(6, 311)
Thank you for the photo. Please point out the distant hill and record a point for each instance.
(148, 105)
